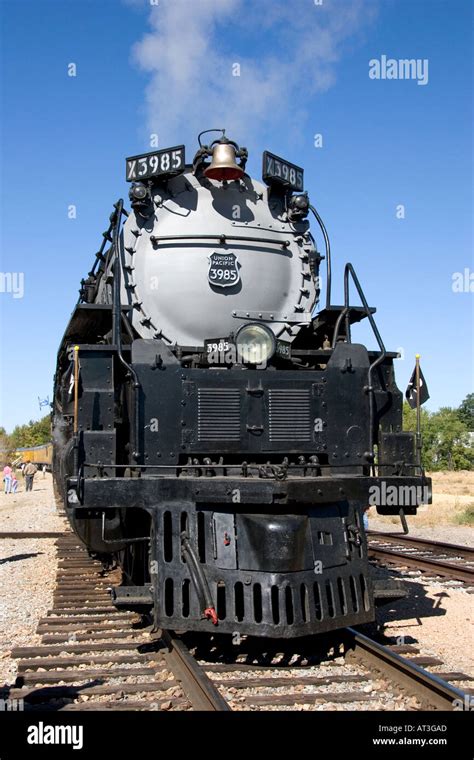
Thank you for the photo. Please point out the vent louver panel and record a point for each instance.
(219, 414)
(289, 414)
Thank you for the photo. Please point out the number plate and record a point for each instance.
(283, 349)
(159, 163)
(223, 270)
(217, 345)
(278, 170)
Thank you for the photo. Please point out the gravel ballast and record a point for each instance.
(27, 567)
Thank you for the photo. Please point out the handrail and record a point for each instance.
(117, 249)
(222, 238)
(328, 255)
(349, 270)
(99, 256)
(106, 238)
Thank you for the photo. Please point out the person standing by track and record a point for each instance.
(29, 473)
(7, 477)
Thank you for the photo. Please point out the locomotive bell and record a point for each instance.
(223, 164)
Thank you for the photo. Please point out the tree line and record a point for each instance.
(447, 435)
(33, 433)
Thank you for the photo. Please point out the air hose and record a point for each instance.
(199, 579)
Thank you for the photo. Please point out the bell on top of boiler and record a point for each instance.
(224, 153)
(223, 164)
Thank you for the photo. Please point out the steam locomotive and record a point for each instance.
(216, 431)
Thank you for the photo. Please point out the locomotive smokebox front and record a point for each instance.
(209, 254)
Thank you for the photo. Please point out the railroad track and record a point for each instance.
(93, 657)
(90, 655)
(347, 670)
(447, 561)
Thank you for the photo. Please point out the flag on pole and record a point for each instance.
(411, 391)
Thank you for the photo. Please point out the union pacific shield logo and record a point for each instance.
(223, 270)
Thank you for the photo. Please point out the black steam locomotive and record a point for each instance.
(217, 432)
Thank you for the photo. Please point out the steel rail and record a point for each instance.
(466, 552)
(428, 687)
(31, 534)
(436, 566)
(195, 682)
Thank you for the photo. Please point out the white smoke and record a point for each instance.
(287, 52)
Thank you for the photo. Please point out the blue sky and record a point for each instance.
(304, 71)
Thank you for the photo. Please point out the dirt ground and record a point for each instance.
(453, 493)
(436, 617)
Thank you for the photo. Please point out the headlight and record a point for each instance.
(255, 344)
(138, 191)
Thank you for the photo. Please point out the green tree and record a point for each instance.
(466, 411)
(35, 433)
(446, 442)
(452, 449)
(5, 447)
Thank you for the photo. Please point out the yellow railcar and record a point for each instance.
(39, 455)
